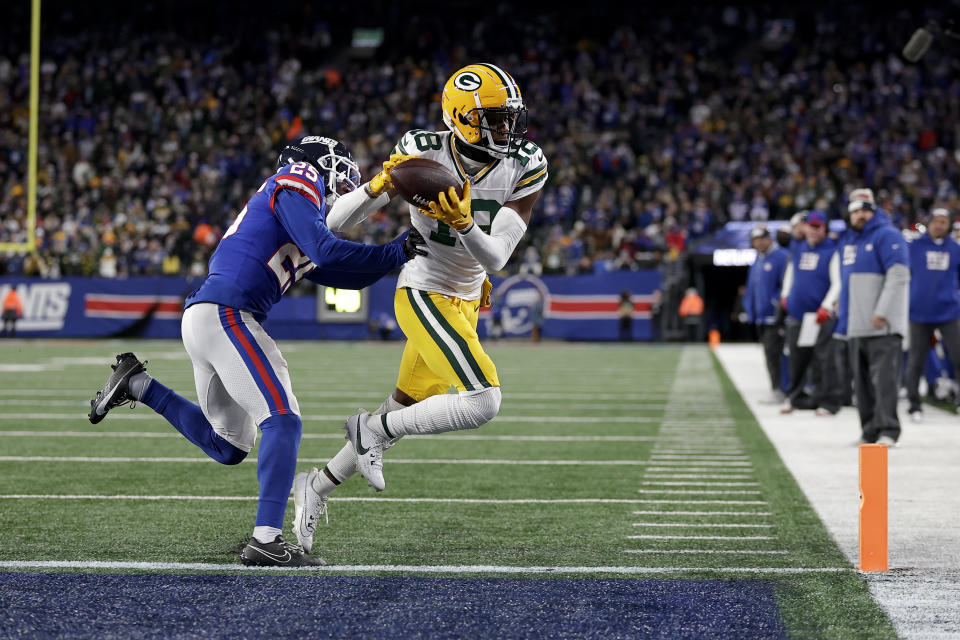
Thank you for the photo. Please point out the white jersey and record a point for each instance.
(449, 268)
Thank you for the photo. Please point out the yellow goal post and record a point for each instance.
(30, 244)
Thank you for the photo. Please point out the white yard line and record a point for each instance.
(329, 436)
(762, 514)
(696, 476)
(656, 537)
(709, 483)
(735, 525)
(364, 568)
(719, 451)
(507, 501)
(763, 502)
(660, 468)
(601, 463)
(700, 492)
(710, 551)
(132, 415)
(684, 456)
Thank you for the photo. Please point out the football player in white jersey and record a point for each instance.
(439, 296)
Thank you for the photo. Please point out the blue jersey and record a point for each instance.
(934, 266)
(763, 285)
(811, 277)
(280, 237)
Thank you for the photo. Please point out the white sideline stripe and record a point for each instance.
(728, 551)
(328, 436)
(400, 568)
(654, 537)
(700, 492)
(599, 463)
(23, 496)
(709, 483)
(340, 418)
(700, 524)
(762, 514)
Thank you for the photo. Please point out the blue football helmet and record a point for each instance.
(330, 158)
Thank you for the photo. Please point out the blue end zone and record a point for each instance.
(226, 606)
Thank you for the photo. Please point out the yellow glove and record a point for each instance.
(381, 182)
(485, 293)
(455, 211)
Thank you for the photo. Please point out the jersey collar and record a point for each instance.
(461, 172)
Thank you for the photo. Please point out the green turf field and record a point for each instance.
(607, 460)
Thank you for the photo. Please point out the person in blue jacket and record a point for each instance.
(872, 313)
(762, 299)
(811, 287)
(241, 378)
(934, 301)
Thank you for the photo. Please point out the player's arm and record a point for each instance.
(353, 208)
(492, 250)
(298, 215)
(412, 243)
(344, 279)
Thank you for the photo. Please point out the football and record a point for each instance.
(419, 181)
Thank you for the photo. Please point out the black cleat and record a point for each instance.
(277, 554)
(116, 391)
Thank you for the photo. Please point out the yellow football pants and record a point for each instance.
(442, 345)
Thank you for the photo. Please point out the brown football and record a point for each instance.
(419, 181)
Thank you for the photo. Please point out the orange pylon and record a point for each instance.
(874, 553)
(713, 338)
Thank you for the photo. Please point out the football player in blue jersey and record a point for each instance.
(242, 381)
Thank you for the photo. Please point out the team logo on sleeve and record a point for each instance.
(467, 81)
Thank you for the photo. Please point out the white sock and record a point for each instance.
(266, 534)
(344, 464)
(138, 385)
(438, 414)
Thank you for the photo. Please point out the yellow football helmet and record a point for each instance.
(483, 108)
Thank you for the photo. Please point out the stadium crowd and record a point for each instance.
(656, 132)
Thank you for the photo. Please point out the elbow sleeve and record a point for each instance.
(494, 249)
(352, 208)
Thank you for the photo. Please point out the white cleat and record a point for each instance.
(916, 416)
(308, 506)
(369, 446)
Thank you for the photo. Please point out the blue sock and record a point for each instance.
(276, 464)
(189, 420)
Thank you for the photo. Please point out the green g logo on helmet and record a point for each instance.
(467, 81)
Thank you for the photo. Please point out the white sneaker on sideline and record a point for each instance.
(916, 416)
(308, 506)
(887, 440)
(369, 446)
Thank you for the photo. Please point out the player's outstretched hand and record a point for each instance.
(381, 182)
(454, 211)
(413, 244)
